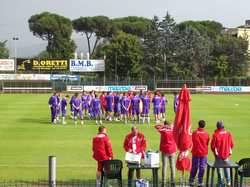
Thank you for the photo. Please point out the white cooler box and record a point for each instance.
(133, 158)
(141, 183)
(152, 159)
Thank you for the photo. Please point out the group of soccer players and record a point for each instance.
(134, 106)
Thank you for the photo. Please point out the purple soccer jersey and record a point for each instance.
(117, 104)
(109, 102)
(53, 107)
(146, 104)
(163, 104)
(72, 99)
(125, 101)
(96, 106)
(135, 102)
(176, 102)
(63, 107)
(77, 107)
(156, 101)
(85, 102)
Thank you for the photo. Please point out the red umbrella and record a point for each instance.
(182, 126)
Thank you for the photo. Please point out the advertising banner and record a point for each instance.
(42, 65)
(228, 89)
(7, 65)
(112, 88)
(25, 77)
(74, 88)
(78, 65)
(65, 77)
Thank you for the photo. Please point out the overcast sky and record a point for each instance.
(15, 13)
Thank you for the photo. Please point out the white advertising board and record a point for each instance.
(113, 88)
(24, 76)
(7, 65)
(78, 65)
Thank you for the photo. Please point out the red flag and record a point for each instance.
(182, 129)
(182, 121)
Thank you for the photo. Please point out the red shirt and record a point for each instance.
(200, 139)
(103, 101)
(167, 143)
(222, 143)
(140, 143)
(101, 146)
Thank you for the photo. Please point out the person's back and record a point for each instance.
(222, 143)
(102, 150)
(167, 142)
(200, 139)
(168, 149)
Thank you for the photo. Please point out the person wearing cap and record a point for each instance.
(200, 140)
(168, 150)
(135, 142)
(102, 150)
(222, 145)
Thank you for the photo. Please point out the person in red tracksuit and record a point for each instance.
(102, 150)
(222, 145)
(135, 143)
(200, 140)
(168, 150)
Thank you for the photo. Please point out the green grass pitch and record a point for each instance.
(27, 138)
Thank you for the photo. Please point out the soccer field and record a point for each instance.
(27, 138)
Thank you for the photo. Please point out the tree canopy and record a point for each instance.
(4, 52)
(56, 30)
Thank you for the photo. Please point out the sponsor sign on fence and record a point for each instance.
(74, 88)
(25, 77)
(42, 65)
(78, 65)
(115, 88)
(7, 65)
(65, 77)
(227, 89)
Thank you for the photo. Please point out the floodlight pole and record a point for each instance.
(15, 39)
(52, 171)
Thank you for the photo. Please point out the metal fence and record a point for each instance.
(48, 86)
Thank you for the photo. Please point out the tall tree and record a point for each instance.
(132, 25)
(97, 27)
(123, 53)
(4, 52)
(56, 30)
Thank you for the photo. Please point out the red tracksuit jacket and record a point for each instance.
(200, 139)
(167, 143)
(222, 143)
(101, 146)
(140, 143)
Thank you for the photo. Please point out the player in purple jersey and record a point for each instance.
(85, 103)
(157, 108)
(58, 106)
(53, 106)
(117, 106)
(64, 108)
(176, 101)
(145, 108)
(96, 107)
(125, 104)
(135, 102)
(164, 102)
(77, 106)
(91, 95)
(109, 105)
(72, 99)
